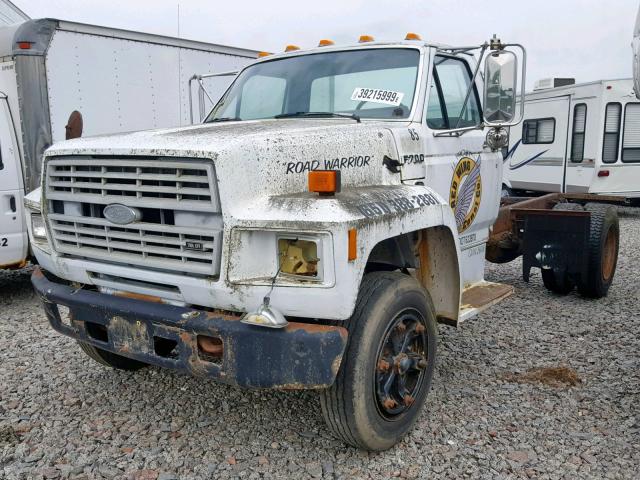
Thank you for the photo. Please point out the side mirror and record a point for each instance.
(500, 88)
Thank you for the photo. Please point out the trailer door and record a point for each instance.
(536, 156)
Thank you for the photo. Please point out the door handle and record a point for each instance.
(12, 203)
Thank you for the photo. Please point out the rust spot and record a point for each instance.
(420, 328)
(211, 345)
(315, 328)
(552, 376)
(37, 272)
(224, 314)
(14, 266)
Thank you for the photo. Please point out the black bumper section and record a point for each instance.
(300, 356)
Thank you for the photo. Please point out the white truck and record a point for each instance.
(61, 79)
(332, 207)
(582, 138)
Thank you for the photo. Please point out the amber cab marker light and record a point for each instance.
(353, 244)
(412, 36)
(365, 38)
(291, 48)
(24, 45)
(325, 43)
(324, 182)
(603, 173)
(263, 54)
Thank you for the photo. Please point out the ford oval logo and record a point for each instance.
(121, 214)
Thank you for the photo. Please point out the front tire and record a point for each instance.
(388, 365)
(108, 359)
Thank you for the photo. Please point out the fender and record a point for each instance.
(377, 213)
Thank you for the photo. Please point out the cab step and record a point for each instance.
(480, 296)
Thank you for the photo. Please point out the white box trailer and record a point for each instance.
(581, 138)
(115, 80)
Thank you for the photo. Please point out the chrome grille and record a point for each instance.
(181, 226)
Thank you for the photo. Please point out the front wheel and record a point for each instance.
(109, 359)
(388, 365)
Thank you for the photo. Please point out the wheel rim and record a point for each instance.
(609, 255)
(401, 364)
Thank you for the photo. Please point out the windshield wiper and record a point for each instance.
(225, 119)
(319, 115)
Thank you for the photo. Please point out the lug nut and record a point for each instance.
(408, 400)
(383, 366)
(401, 327)
(420, 328)
(422, 364)
(389, 403)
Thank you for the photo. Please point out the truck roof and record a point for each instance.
(359, 45)
(38, 32)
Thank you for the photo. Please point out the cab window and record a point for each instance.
(445, 108)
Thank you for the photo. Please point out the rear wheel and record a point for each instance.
(109, 359)
(604, 240)
(388, 365)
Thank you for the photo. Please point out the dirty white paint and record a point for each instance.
(262, 168)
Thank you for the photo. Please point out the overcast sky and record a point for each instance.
(585, 39)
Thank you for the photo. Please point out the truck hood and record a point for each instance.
(258, 159)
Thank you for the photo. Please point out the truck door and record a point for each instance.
(13, 239)
(458, 167)
(537, 149)
(581, 148)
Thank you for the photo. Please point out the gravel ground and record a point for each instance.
(490, 414)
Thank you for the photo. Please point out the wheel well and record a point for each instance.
(430, 253)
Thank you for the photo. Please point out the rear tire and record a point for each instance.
(381, 387)
(109, 359)
(557, 283)
(603, 245)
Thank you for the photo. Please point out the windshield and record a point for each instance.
(371, 83)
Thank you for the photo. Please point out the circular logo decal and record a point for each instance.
(466, 192)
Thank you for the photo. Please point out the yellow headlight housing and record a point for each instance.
(298, 257)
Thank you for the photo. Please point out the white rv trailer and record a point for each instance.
(115, 80)
(581, 138)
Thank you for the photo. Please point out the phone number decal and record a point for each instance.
(397, 205)
(377, 95)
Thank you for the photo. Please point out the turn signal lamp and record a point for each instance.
(412, 36)
(324, 182)
(603, 173)
(326, 43)
(263, 54)
(24, 45)
(353, 245)
(366, 38)
(291, 48)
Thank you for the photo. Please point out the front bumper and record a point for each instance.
(301, 356)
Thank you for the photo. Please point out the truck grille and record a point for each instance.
(180, 228)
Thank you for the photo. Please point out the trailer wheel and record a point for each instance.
(109, 359)
(556, 281)
(388, 365)
(604, 241)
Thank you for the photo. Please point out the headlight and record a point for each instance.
(37, 227)
(298, 257)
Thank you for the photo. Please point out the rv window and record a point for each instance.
(445, 108)
(613, 114)
(631, 133)
(538, 130)
(579, 126)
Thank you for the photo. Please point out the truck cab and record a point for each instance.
(332, 207)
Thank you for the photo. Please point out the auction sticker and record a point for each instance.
(377, 95)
